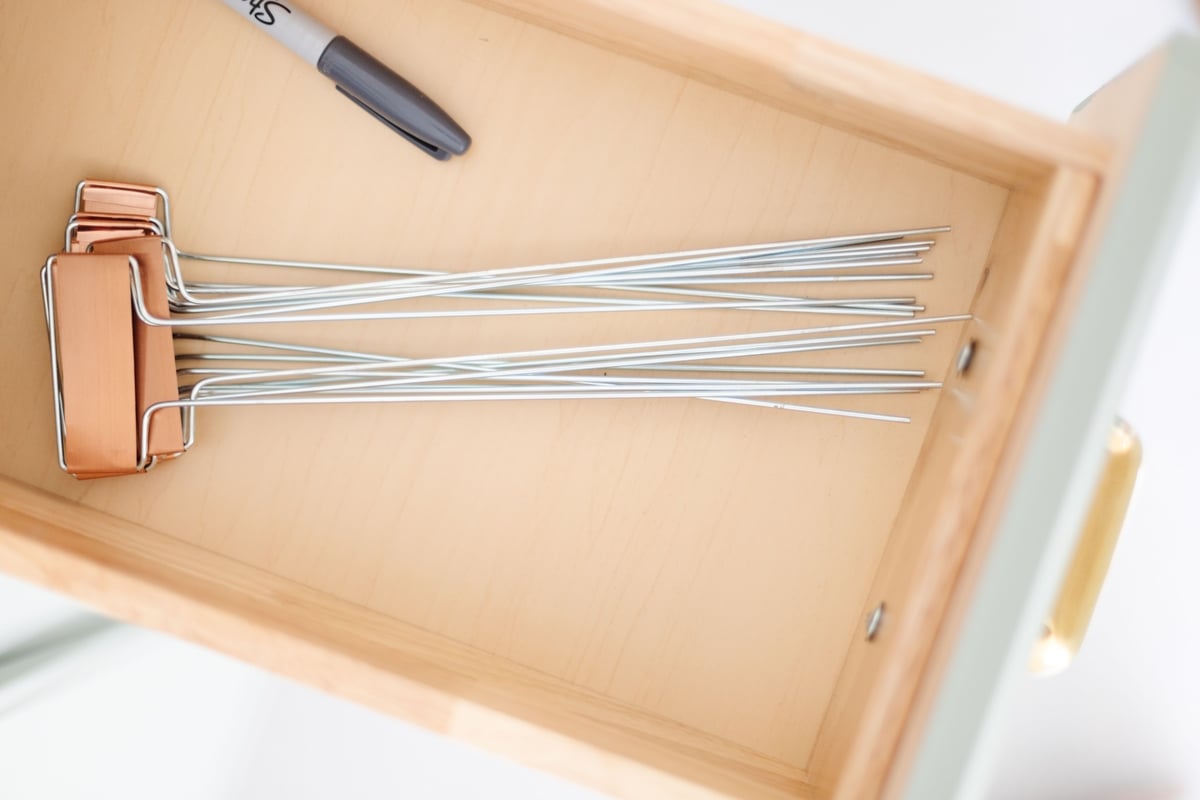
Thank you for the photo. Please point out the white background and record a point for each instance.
(147, 717)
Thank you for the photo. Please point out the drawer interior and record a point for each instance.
(702, 567)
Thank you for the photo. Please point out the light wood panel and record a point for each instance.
(704, 563)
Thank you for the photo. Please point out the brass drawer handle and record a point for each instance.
(1068, 622)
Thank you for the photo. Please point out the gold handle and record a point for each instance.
(1068, 623)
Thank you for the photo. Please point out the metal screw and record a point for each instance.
(874, 621)
(965, 357)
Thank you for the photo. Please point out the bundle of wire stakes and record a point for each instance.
(183, 326)
(720, 368)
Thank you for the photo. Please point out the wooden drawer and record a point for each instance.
(657, 599)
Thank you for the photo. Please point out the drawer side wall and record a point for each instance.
(1017, 304)
(849, 90)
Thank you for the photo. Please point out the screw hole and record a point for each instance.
(875, 621)
(966, 357)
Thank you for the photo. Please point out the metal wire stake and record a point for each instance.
(756, 368)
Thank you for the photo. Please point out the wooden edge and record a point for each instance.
(149, 579)
(885, 690)
(879, 100)
(942, 479)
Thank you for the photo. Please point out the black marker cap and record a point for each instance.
(392, 100)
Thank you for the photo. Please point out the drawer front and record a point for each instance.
(1152, 114)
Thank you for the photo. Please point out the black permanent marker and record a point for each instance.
(378, 90)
